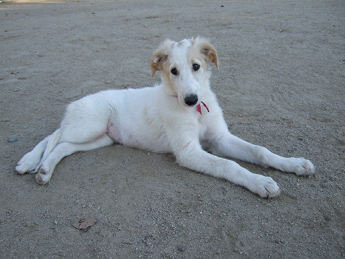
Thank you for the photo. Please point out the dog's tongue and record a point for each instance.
(198, 107)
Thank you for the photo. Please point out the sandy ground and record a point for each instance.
(281, 85)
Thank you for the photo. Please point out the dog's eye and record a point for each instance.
(174, 71)
(196, 67)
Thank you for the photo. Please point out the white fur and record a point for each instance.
(158, 119)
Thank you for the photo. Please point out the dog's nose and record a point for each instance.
(191, 99)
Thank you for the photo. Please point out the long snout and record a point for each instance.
(189, 91)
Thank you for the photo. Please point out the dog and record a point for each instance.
(180, 115)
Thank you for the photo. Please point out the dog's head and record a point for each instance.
(184, 67)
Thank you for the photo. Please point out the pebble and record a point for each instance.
(11, 140)
(180, 248)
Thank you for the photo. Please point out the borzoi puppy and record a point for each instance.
(177, 116)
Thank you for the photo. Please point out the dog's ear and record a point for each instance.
(207, 50)
(157, 60)
(160, 56)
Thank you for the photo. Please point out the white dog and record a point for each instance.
(178, 116)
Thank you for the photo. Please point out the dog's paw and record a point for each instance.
(266, 187)
(42, 177)
(27, 164)
(21, 168)
(303, 167)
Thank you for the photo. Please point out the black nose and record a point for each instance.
(191, 99)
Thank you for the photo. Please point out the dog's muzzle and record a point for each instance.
(191, 99)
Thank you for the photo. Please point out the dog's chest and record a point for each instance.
(202, 129)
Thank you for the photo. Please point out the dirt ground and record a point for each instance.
(281, 84)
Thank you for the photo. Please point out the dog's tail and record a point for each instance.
(53, 140)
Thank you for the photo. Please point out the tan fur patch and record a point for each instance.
(206, 49)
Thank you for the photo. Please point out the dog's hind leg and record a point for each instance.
(31, 160)
(234, 147)
(83, 128)
(65, 149)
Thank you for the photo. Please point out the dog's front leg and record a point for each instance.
(192, 156)
(229, 145)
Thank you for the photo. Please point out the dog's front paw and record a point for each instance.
(266, 187)
(303, 166)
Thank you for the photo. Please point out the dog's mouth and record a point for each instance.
(193, 102)
(200, 106)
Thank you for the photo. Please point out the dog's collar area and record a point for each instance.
(198, 107)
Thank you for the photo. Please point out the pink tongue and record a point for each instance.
(198, 108)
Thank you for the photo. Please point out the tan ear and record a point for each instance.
(207, 50)
(160, 56)
(157, 61)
